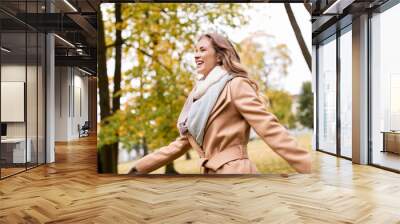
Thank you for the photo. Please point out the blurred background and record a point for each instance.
(146, 71)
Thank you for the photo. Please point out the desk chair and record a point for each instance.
(84, 130)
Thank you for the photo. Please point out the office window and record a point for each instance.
(385, 88)
(327, 95)
(346, 92)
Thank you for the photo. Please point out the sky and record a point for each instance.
(272, 19)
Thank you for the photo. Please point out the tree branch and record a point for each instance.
(155, 59)
(308, 6)
(299, 36)
(115, 43)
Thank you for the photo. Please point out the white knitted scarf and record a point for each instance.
(194, 115)
(205, 82)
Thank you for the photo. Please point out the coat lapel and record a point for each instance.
(218, 107)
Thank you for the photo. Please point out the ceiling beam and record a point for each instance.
(337, 6)
(85, 25)
(83, 61)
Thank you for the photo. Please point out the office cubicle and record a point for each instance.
(22, 95)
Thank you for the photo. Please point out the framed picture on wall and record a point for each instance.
(12, 101)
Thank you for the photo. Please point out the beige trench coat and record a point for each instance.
(227, 134)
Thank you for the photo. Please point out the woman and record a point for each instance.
(217, 116)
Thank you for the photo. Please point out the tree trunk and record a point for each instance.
(308, 6)
(107, 156)
(112, 155)
(299, 36)
(118, 48)
(137, 150)
(145, 147)
(170, 169)
(108, 159)
(102, 71)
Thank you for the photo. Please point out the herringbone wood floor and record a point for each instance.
(70, 191)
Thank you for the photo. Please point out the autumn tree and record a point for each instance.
(280, 104)
(107, 153)
(156, 40)
(262, 56)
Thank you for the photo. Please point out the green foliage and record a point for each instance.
(305, 113)
(280, 104)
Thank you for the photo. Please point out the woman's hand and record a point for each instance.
(162, 156)
(133, 170)
(267, 126)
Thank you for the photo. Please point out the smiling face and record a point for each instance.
(205, 56)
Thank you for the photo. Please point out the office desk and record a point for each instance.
(391, 141)
(13, 150)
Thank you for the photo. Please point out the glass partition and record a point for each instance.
(13, 95)
(22, 89)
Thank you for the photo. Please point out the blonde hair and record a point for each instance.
(227, 55)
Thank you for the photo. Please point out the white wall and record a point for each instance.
(50, 93)
(33, 126)
(80, 109)
(71, 102)
(61, 103)
(12, 73)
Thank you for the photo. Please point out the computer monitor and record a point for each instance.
(3, 129)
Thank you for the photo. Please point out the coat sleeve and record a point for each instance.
(163, 155)
(267, 126)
